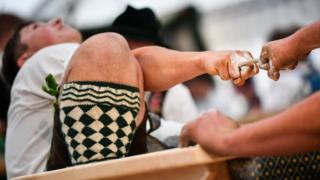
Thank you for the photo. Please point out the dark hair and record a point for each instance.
(5, 99)
(8, 22)
(283, 32)
(13, 50)
(138, 24)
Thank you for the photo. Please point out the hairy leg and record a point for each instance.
(106, 57)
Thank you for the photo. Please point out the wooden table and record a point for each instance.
(181, 163)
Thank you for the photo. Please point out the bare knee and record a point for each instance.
(103, 51)
(104, 57)
(104, 45)
(111, 40)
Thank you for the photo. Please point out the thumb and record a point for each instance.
(273, 74)
(185, 137)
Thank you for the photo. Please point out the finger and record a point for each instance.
(251, 71)
(264, 66)
(248, 55)
(238, 82)
(233, 66)
(293, 66)
(241, 65)
(264, 60)
(246, 71)
(184, 138)
(273, 74)
(224, 76)
(264, 56)
(255, 69)
(224, 73)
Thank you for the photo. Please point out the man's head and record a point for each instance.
(31, 37)
(139, 26)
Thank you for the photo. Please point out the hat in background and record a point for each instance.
(138, 24)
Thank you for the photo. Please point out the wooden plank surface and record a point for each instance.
(180, 163)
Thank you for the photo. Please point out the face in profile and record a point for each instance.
(39, 35)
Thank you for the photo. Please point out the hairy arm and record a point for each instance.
(308, 38)
(162, 68)
(296, 130)
(293, 131)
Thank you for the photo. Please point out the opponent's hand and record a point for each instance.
(235, 65)
(280, 55)
(208, 130)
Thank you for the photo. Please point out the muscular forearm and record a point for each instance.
(163, 68)
(307, 38)
(293, 131)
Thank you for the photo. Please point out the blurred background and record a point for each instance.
(190, 25)
(227, 24)
(206, 25)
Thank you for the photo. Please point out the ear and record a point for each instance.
(22, 59)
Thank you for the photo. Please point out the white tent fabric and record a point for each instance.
(90, 13)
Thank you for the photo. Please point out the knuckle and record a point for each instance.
(240, 82)
(224, 78)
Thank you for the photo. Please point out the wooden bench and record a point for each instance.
(181, 163)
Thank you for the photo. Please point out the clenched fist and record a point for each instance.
(280, 55)
(235, 65)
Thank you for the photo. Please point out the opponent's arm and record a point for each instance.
(296, 130)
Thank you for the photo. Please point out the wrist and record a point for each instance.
(209, 62)
(230, 143)
(299, 45)
(226, 145)
(200, 62)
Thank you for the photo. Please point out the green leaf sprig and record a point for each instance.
(51, 87)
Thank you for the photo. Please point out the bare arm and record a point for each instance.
(308, 37)
(162, 68)
(287, 52)
(293, 131)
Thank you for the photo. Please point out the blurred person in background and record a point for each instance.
(209, 94)
(253, 103)
(200, 88)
